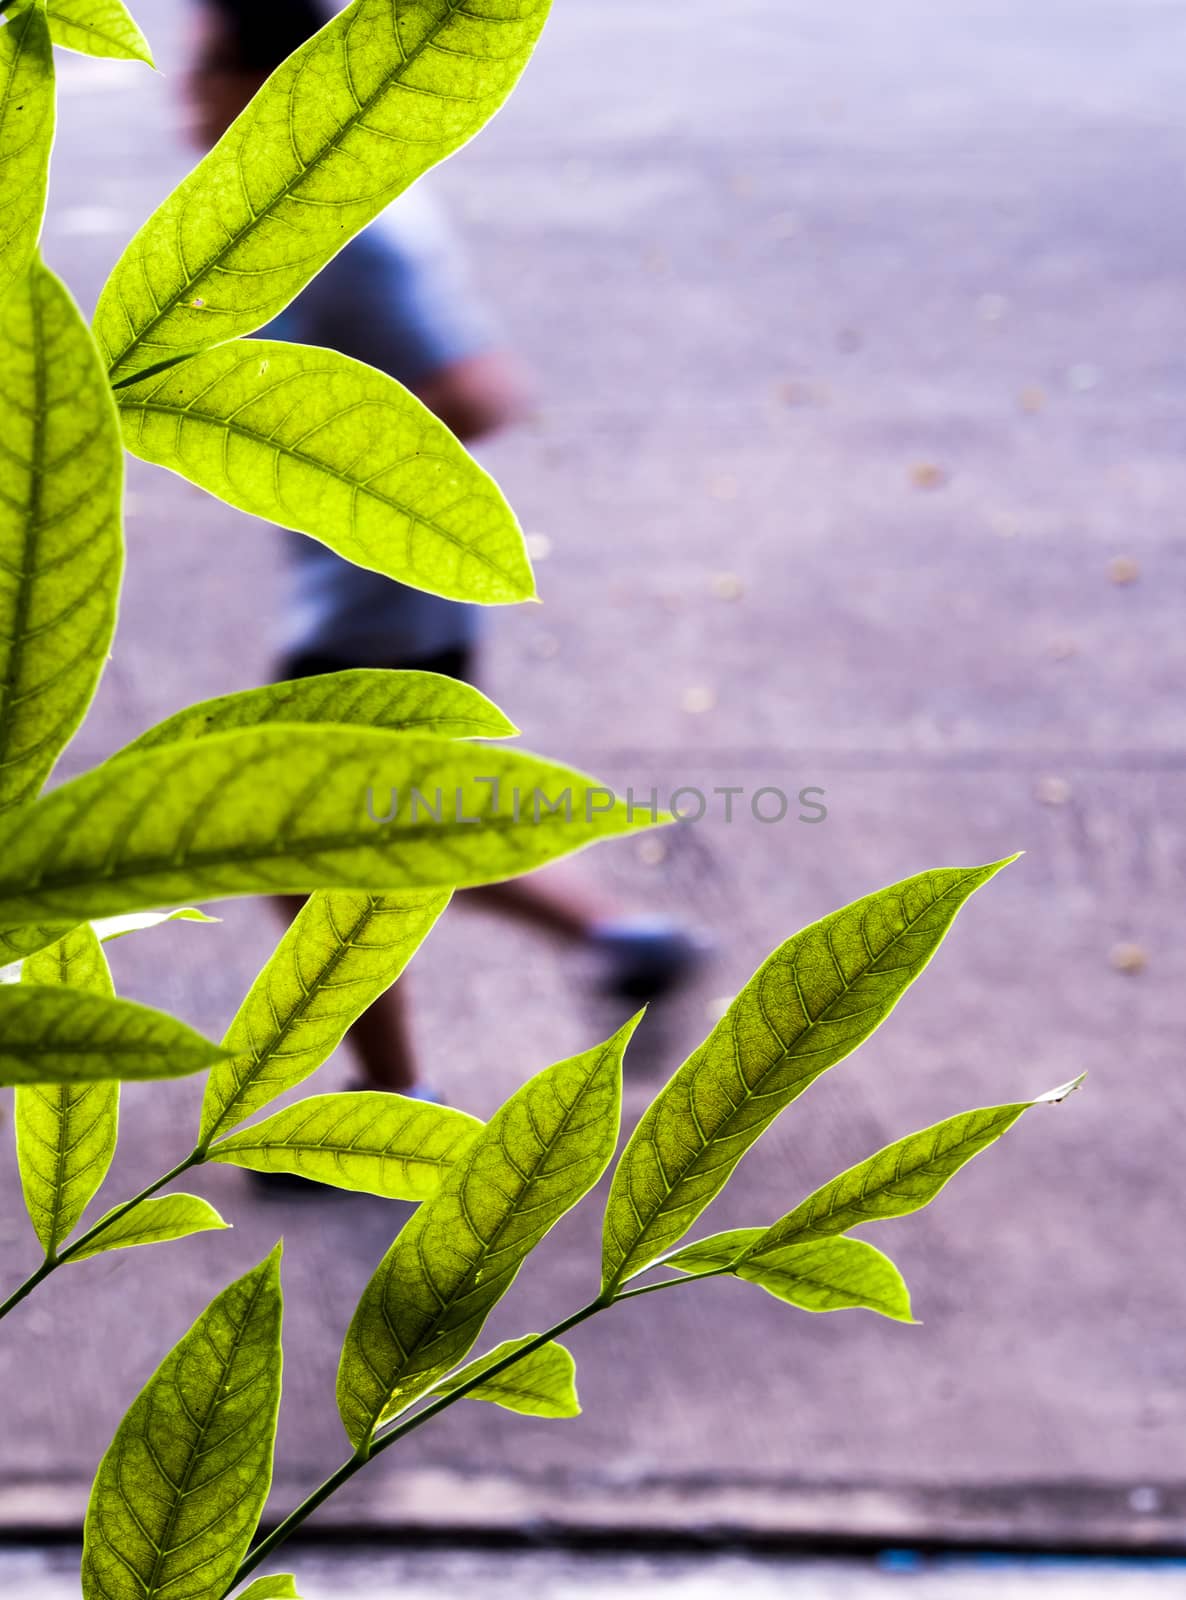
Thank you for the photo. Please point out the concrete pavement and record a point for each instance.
(859, 462)
(375, 1574)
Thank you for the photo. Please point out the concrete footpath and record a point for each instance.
(858, 464)
(376, 1574)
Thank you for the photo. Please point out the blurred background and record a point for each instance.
(855, 461)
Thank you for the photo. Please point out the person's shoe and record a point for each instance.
(288, 1186)
(645, 958)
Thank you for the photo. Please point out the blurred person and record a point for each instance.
(397, 296)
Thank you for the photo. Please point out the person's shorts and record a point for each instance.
(449, 663)
(398, 297)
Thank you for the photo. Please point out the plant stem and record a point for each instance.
(669, 1283)
(361, 1456)
(53, 1262)
(359, 1459)
(30, 1283)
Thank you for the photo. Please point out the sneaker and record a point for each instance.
(646, 958)
(288, 1185)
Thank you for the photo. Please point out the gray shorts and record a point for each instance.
(397, 297)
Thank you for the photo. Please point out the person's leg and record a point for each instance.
(643, 956)
(382, 1043)
(554, 901)
(475, 396)
(381, 1038)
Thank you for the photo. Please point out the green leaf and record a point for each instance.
(401, 702)
(816, 998)
(55, 1035)
(322, 444)
(108, 928)
(97, 28)
(285, 810)
(281, 1587)
(368, 1141)
(340, 953)
(181, 1487)
(542, 1384)
(156, 1220)
(35, 938)
(457, 1256)
(76, 961)
(61, 542)
(903, 1177)
(348, 122)
(17, 943)
(824, 1275)
(26, 137)
(716, 1252)
(65, 1133)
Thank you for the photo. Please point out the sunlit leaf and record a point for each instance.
(65, 1133)
(816, 998)
(26, 137)
(823, 1275)
(542, 1384)
(55, 1035)
(17, 943)
(280, 1587)
(34, 938)
(320, 443)
(108, 928)
(903, 1177)
(341, 952)
(97, 28)
(717, 1251)
(368, 1141)
(156, 1220)
(349, 121)
(287, 810)
(453, 1261)
(61, 543)
(181, 1487)
(402, 702)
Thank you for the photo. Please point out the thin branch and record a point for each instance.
(53, 1262)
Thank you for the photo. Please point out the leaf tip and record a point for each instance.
(500, 725)
(1054, 1097)
(991, 868)
(626, 1032)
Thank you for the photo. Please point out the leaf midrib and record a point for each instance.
(338, 1151)
(466, 1285)
(30, 568)
(408, 59)
(723, 1130)
(68, 21)
(199, 860)
(306, 458)
(344, 946)
(164, 1550)
(902, 1173)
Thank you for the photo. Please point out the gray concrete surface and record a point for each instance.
(375, 1574)
(858, 344)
